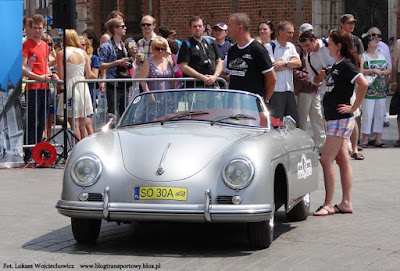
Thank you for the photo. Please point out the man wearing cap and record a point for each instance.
(248, 62)
(199, 56)
(220, 33)
(347, 23)
(284, 58)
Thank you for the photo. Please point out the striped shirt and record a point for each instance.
(319, 60)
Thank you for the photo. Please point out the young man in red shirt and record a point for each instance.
(37, 93)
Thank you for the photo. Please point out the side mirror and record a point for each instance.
(290, 123)
(112, 120)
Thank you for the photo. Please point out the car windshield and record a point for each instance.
(212, 105)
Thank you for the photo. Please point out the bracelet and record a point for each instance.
(217, 74)
(394, 83)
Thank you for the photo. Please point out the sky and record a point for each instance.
(11, 15)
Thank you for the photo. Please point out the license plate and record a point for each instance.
(160, 192)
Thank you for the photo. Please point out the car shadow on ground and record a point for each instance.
(149, 239)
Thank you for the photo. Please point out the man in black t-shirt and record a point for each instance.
(199, 57)
(249, 65)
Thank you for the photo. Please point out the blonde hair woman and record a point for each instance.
(78, 68)
(95, 66)
(157, 66)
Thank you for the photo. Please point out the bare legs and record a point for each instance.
(354, 139)
(336, 149)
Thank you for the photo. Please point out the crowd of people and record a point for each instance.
(339, 82)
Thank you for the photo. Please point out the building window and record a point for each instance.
(133, 16)
(42, 4)
(106, 6)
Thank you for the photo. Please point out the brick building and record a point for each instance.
(323, 14)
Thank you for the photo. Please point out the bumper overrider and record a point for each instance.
(207, 212)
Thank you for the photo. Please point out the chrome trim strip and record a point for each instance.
(160, 169)
(207, 205)
(296, 201)
(140, 210)
(106, 201)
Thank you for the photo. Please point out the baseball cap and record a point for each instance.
(305, 27)
(347, 18)
(221, 26)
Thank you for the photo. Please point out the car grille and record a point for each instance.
(224, 200)
(95, 197)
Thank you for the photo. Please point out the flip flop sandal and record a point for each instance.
(380, 145)
(322, 207)
(357, 156)
(364, 146)
(340, 211)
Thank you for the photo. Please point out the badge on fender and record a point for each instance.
(304, 167)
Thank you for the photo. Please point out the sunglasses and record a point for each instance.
(375, 35)
(123, 26)
(266, 22)
(158, 49)
(146, 25)
(50, 44)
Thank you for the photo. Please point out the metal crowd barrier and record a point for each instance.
(99, 102)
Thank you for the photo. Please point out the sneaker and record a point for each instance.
(386, 124)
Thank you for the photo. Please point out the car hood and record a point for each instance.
(180, 150)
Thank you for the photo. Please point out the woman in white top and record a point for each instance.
(78, 68)
(376, 67)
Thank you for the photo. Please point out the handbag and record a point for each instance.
(394, 108)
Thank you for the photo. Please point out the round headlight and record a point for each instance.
(86, 170)
(238, 173)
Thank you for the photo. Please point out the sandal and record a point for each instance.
(357, 156)
(327, 212)
(364, 146)
(380, 145)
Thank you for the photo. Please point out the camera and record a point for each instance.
(207, 62)
(130, 61)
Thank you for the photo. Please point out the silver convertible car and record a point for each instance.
(191, 155)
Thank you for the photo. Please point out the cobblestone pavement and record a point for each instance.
(32, 231)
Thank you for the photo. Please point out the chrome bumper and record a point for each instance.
(207, 212)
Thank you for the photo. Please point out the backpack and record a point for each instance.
(273, 45)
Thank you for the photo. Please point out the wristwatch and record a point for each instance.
(286, 63)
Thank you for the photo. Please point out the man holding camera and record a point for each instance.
(318, 61)
(200, 56)
(114, 63)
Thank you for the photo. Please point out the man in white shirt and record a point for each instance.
(284, 59)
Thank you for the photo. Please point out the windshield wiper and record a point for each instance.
(184, 114)
(235, 117)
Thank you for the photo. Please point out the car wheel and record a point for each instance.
(300, 211)
(261, 234)
(85, 230)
